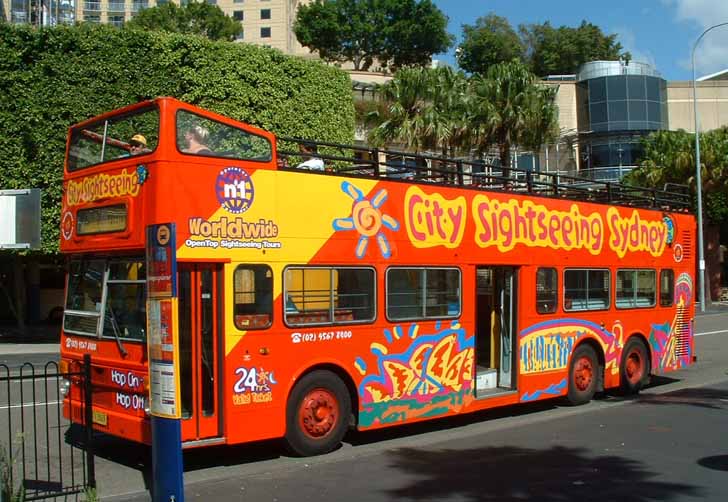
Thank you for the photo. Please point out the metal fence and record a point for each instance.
(43, 454)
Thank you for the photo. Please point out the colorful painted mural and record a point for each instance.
(416, 374)
(367, 219)
(547, 346)
(670, 341)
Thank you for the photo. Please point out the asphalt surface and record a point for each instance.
(671, 443)
(668, 444)
(666, 447)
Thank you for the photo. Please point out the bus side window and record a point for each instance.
(253, 296)
(546, 290)
(667, 287)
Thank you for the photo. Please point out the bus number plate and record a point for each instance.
(100, 418)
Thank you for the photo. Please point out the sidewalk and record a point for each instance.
(712, 308)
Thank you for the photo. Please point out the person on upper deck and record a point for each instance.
(196, 139)
(309, 152)
(137, 146)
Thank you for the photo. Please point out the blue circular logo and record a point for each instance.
(234, 190)
(670, 225)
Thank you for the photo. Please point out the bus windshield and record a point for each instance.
(114, 138)
(107, 297)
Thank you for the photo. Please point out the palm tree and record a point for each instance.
(512, 109)
(406, 96)
(426, 110)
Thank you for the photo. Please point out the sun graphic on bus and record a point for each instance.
(367, 219)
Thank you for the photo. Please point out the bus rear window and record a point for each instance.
(197, 135)
(114, 138)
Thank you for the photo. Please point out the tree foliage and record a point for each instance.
(53, 78)
(547, 50)
(513, 109)
(195, 18)
(427, 109)
(393, 32)
(669, 157)
(562, 50)
(442, 110)
(490, 41)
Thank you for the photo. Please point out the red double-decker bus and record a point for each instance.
(383, 289)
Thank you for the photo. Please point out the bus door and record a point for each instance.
(495, 330)
(200, 304)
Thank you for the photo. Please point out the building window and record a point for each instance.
(116, 6)
(635, 289)
(253, 296)
(240, 35)
(117, 21)
(238, 15)
(94, 18)
(323, 295)
(586, 289)
(237, 1)
(265, 32)
(667, 287)
(265, 13)
(138, 5)
(546, 290)
(423, 293)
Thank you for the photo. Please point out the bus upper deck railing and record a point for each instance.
(359, 161)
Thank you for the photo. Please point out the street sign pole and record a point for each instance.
(163, 346)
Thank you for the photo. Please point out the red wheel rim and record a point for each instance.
(583, 373)
(634, 367)
(318, 413)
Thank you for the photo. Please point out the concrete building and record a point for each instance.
(265, 22)
(608, 106)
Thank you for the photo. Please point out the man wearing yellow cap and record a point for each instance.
(137, 145)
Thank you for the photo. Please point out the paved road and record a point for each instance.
(670, 444)
(667, 447)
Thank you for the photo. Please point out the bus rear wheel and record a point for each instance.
(318, 414)
(583, 375)
(634, 372)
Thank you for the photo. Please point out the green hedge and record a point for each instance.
(53, 78)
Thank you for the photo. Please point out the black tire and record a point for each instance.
(634, 370)
(583, 375)
(318, 414)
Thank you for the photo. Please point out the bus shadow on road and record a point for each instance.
(138, 456)
(556, 474)
(703, 397)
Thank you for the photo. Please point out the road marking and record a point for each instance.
(29, 404)
(712, 332)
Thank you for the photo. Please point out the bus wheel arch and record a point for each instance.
(635, 364)
(319, 410)
(586, 372)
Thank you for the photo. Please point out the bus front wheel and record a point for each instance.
(583, 375)
(318, 414)
(634, 372)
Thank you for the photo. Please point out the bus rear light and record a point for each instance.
(63, 366)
